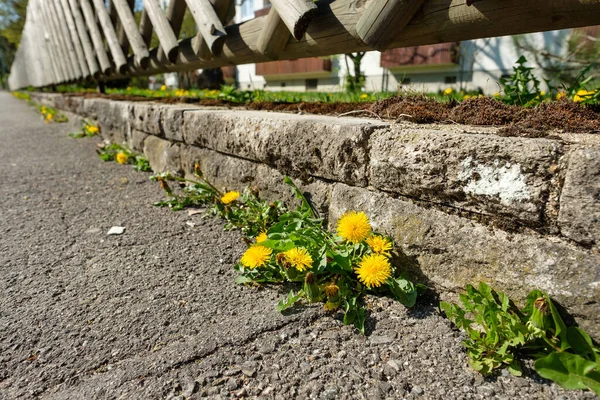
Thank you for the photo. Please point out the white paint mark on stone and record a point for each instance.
(500, 179)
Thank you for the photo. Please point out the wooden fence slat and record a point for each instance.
(175, 14)
(209, 24)
(146, 28)
(295, 14)
(60, 45)
(63, 7)
(92, 26)
(274, 36)
(111, 36)
(385, 19)
(65, 40)
(119, 29)
(48, 42)
(161, 25)
(134, 37)
(84, 38)
(225, 10)
(64, 31)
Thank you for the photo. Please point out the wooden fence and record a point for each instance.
(73, 40)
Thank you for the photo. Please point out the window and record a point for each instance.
(247, 9)
(450, 79)
(311, 84)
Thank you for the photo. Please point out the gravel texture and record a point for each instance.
(154, 313)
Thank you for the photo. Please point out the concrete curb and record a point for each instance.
(463, 206)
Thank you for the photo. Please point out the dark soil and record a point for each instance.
(546, 119)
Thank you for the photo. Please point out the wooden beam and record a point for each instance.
(111, 36)
(295, 14)
(385, 19)
(92, 27)
(166, 36)
(208, 22)
(274, 36)
(142, 56)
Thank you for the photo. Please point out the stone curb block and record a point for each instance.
(579, 215)
(324, 147)
(230, 173)
(479, 173)
(451, 252)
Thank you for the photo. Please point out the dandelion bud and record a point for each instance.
(313, 293)
(292, 273)
(540, 314)
(332, 290)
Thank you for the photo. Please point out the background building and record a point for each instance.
(469, 65)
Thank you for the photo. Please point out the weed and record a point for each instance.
(87, 130)
(293, 246)
(499, 333)
(122, 155)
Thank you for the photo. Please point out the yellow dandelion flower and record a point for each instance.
(542, 93)
(560, 95)
(299, 258)
(262, 237)
(230, 197)
(122, 158)
(364, 96)
(354, 226)
(379, 244)
(163, 88)
(92, 130)
(128, 88)
(497, 94)
(448, 91)
(256, 256)
(582, 95)
(466, 97)
(373, 270)
(49, 118)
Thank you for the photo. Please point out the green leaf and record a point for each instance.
(403, 290)
(242, 280)
(569, 371)
(581, 343)
(359, 321)
(288, 301)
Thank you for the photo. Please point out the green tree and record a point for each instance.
(12, 20)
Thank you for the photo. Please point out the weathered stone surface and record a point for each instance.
(480, 173)
(146, 117)
(74, 104)
(136, 143)
(579, 216)
(230, 173)
(172, 121)
(162, 155)
(450, 251)
(326, 147)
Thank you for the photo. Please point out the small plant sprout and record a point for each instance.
(122, 155)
